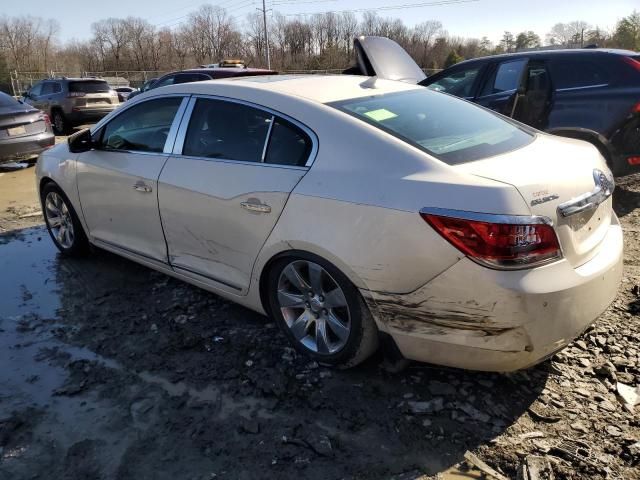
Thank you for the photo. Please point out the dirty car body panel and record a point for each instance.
(373, 174)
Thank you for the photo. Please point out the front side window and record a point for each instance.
(190, 77)
(169, 80)
(458, 83)
(452, 130)
(47, 88)
(505, 78)
(36, 90)
(576, 73)
(143, 127)
(226, 130)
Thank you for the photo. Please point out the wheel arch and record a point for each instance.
(293, 249)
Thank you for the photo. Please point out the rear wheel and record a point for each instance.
(59, 123)
(321, 311)
(62, 222)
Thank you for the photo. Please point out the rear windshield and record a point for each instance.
(89, 86)
(448, 128)
(7, 101)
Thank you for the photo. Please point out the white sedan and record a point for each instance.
(349, 209)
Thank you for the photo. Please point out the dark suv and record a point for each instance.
(70, 102)
(201, 74)
(590, 94)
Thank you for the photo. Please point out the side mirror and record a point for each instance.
(81, 141)
(25, 94)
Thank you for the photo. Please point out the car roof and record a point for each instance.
(550, 53)
(314, 87)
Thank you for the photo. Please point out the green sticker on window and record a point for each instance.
(380, 114)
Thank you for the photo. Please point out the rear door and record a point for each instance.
(500, 89)
(221, 193)
(117, 181)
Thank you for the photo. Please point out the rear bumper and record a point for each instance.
(23, 147)
(88, 115)
(480, 319)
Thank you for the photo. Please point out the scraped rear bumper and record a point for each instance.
(480, 319)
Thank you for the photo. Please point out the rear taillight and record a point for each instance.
(497, 241)
(45, 118)
(633, 161)
(75, 94)
(634, 63)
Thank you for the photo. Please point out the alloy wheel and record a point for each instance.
(59, 219)
(314, 307)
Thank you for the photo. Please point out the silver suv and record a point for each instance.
(72, 101)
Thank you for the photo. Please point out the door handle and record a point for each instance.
(256, 207)
(142, 187)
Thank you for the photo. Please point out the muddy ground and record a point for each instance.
(113, 371)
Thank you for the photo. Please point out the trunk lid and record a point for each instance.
(384, 58)
(552, 172)
(19, 122)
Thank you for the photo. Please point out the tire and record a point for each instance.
(59, 123)
(62, 222)
(320, 311)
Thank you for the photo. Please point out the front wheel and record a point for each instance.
(321, 311)
(62, 222)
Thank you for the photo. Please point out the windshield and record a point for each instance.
(89, 86)
(448, 128)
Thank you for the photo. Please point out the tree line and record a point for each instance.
(321, 41)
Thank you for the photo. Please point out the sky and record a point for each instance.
(471, 19)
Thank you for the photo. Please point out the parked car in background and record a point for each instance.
(70, 102)
(345, 207)
(124, 92)
(24, 131)
(145, 86)
(587, 94)
(202, 74)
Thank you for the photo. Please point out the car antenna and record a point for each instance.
(370, 82)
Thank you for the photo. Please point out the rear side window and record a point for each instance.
(577, 73)
(143, 127)
(451, 130)
(505, 78)
(288, 145)
(459, 83)
(89, 86)
(227, 130)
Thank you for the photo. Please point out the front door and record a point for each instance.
(500, 89)
(118, 180)
(222, 193)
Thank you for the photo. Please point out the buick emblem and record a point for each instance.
(605, 183)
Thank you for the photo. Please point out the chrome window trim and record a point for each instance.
(186, 119)
(572, 89)
(123, 107)
(489, 217)
(168, 144)
(267, 138)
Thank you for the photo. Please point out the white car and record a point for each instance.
(349, 208)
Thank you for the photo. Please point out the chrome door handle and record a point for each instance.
(142, 187)
(256, 207)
